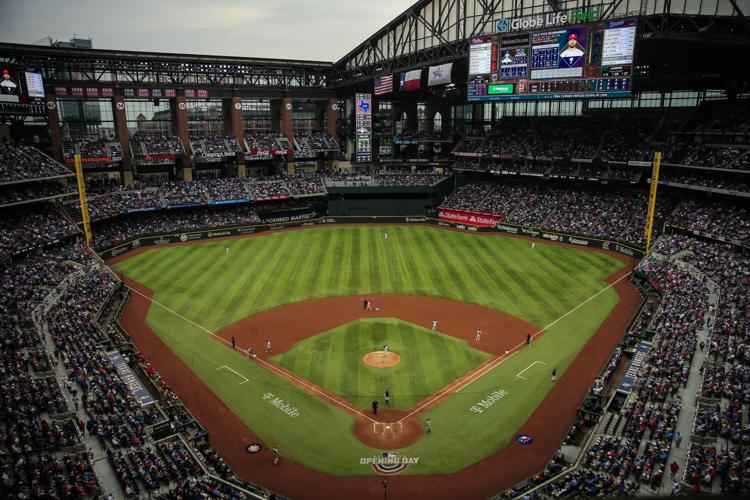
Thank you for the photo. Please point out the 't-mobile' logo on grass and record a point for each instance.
(281, 404)
(490, 400)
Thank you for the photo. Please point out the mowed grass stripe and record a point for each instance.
(194, 284)
(288, 269)
(486, 273)
(450, 275)
(246, 279)
(528, 289)
(334, 360)
(167, 267)
(424, 261)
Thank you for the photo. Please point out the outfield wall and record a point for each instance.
(309, 220)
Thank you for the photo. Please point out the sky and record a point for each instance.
(322, 30)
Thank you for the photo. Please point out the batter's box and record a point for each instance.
(382, 428)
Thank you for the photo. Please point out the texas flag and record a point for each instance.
(411, 80)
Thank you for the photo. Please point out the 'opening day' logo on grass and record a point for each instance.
(389, 462)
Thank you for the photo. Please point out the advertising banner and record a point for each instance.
(458, 219)
(470, 218)
(127, 375)
(630, 377)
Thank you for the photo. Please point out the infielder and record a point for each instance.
(268, 345)
(434, 325)
(478, 336)
(385, 350)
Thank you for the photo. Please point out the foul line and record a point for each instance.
(532, 364)
(473, 377)
(269, 365)
(239, 375)
(463, 383)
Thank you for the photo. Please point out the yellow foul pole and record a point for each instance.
(82, 197)
(652, 199)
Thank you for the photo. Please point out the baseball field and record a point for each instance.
(304, 291)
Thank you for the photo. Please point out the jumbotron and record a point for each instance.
(496, 250)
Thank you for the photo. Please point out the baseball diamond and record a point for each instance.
(308, 302)
(495, 250)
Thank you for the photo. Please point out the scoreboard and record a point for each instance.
(21, 90)
(592, 60)
(363, 124)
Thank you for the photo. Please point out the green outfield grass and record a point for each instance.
(334, 361)
(214, 289)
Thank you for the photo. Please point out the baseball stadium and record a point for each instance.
(489, 250)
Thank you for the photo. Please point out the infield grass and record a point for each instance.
(334, 360)
(214, 289)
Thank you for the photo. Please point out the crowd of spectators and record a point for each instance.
(719, 457)
(267, 142)
(604, 214)
(183, 192)
(93, 148)
(619, 139)
(156, 144)
(212, 145)
(42, 451)
(268, 188)
(384, 177)
(20, 161)
(224, 189)
(715, 218)
(40, 441)
(108, 233)
(18, 193)
(315, 142)
(32, 226)
(116, 200)
(704, 179)
(304, 183)
(702, 155)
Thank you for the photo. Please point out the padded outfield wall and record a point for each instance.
(387, 200)
(311, 218)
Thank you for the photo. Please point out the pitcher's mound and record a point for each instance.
(379, 359)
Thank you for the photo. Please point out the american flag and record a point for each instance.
(384, 85)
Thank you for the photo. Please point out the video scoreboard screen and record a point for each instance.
(21, 90)
(591, 60)
(363, 124)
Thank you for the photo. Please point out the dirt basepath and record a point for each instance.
(289, 324)
(547, 425)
